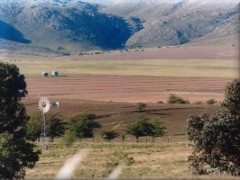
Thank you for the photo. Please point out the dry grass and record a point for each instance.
(161, 159)
(143, 160)
(163, 67)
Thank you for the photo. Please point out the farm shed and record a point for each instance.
(44, 74)
(54, 73)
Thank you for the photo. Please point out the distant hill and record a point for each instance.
(71, 26)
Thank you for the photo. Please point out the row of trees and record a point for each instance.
(83, 125)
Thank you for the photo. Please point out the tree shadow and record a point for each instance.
(8, 32)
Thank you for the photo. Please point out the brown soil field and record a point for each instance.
(127, 89)
(191, 51)
(113, 98)
(179, 52)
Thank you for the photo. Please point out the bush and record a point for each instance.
(173, 99)
(81, 126)
(216, 140)
(216, 143)
(143, 127)
(141, 106)
(211, 101)
(109, 135)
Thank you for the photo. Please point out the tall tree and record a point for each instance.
(15, 152)
(216, 139)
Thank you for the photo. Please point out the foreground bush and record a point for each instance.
(16, 153)
(216, 139)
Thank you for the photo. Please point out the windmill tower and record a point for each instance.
(44, 106)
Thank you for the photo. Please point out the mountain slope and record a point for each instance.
(72, 26)
(178, 21)
(64, 26)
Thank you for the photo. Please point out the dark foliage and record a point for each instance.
(55, 126)
(232, 97)
(109, 135)
(141, 106)
(15, 152)
(173, 99)
(142, 127)
(216, 139)
(83, 125)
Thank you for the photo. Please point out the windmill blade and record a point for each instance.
(44, 104)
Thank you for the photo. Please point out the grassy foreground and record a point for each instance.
(166, 158)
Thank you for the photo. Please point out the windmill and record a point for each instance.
(44, 106)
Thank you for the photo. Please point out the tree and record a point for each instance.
(216, 139)
(142, 127)
(81, 126)
(55, 126)
(109, 135)
(158, 128)
(232, 97)
(141, 106)
(15, 152)
(34, 126)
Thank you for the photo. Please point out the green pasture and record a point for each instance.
(164, 68)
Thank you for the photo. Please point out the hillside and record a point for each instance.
(178, 21)
(71, 26)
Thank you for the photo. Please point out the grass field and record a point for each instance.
(166, 158)
(158, 68)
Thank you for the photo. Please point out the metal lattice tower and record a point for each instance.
(44, 107)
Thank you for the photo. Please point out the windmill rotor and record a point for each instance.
(44, 105)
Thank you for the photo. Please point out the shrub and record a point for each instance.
(109, 135)
(173, 99)
(81, 126)
(141, 106)
(142, 127)
(211, 101)
(216, 145)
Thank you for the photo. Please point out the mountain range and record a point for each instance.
(73, 26)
